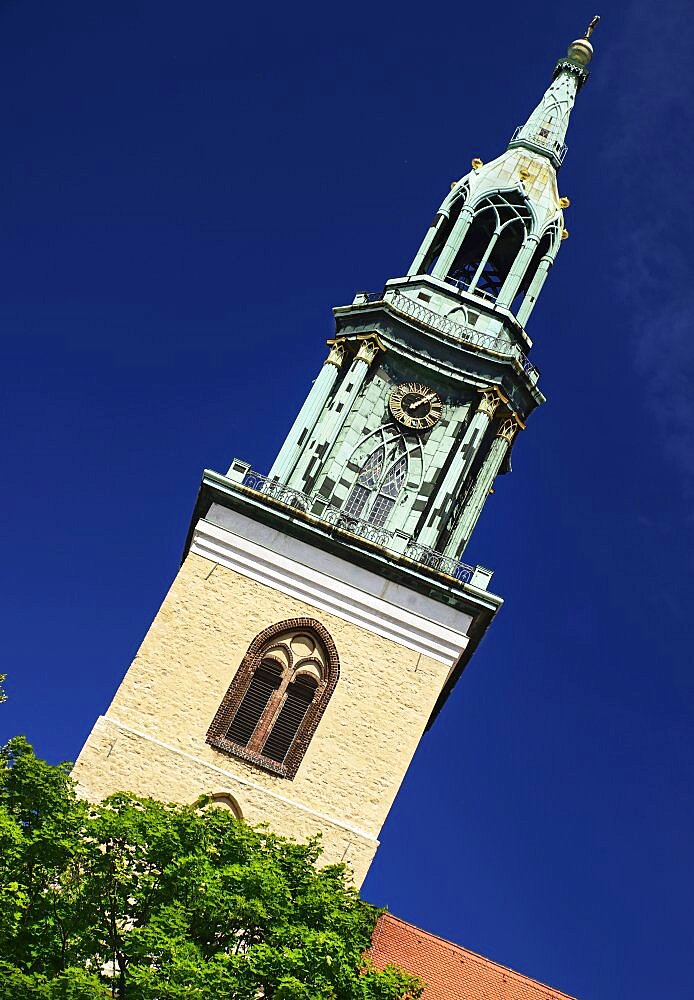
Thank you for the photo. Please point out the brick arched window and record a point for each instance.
(275, 701)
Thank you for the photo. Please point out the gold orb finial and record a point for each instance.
(477, 163)
(564, 202)
(581, 50)
(565, 234)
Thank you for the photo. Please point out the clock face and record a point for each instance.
(416, 406)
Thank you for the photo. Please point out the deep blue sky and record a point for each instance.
(186, 190)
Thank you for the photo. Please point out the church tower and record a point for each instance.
(324, 611)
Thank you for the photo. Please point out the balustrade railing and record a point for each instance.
(347, 522)
(560, 149)
(438, 561)
(485, 341)
(278, 491)
(337, 518)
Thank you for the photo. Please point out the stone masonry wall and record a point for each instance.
(355, 763)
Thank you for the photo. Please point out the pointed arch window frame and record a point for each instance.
(257, 652)
(373, 501)
(517, 208)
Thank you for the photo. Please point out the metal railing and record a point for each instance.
(336, 518)
(355, 526)
(438, 561)
(278, 491)
(443, 324)
(560, 149)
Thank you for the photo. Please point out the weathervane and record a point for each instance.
(592, 26)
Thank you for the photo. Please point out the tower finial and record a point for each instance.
(545, 130)
(581, 50)
(592, 26)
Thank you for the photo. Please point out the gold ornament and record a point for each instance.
(508, 429)
(489, 401)
(337, 353)
(565, 234)
(477, 163)
(564, 202)
(369, 346)
(581, 51)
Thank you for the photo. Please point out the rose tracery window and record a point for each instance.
(277, 697)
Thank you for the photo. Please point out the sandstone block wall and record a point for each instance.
(152, 739)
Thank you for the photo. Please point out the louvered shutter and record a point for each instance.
(265, 680)
(299, 696)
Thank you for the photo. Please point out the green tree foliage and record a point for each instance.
(137, 899)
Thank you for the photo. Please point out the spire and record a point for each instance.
(545, 130)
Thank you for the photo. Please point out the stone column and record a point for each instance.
(483, 262)
(534, 289)
(481, 489)
(308, 415)
(457, 471)
(453, 243)
(426, 243)
(510, 287)
(336, 414)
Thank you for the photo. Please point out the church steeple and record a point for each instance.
(497, 233)
(413, 466)
(323, 612)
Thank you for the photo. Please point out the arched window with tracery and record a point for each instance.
(378, 485)
(275, 701)
(497, 232)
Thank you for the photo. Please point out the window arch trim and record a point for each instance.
(227, 801)
(258, 651)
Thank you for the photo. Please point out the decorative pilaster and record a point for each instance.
(482, 486)
(454, 479)
(330, 427)
(303, 426)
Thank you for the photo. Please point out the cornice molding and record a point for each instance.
(328, 593)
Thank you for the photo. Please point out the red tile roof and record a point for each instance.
(449, 971)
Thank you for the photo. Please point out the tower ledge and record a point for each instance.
(418, 580)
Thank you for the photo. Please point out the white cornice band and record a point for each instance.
(328, 593)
